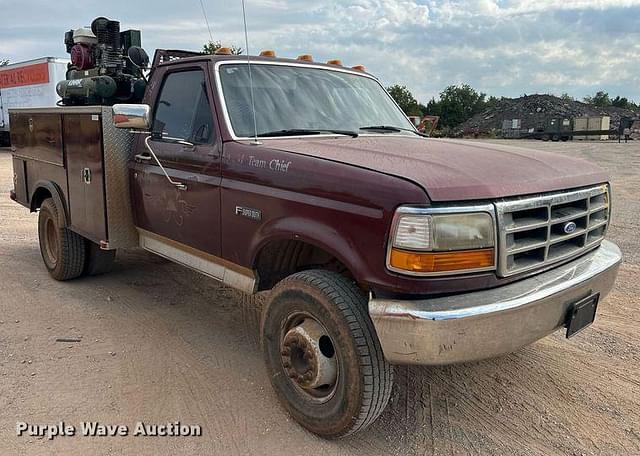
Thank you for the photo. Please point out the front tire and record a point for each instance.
(62, 250)
(322, 354)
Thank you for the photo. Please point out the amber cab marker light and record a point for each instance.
(335, 62)
(224, 51)
(358, 68)
(268, 53)
(306, 57)
(426, 262)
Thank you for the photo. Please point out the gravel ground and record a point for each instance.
(159, 343)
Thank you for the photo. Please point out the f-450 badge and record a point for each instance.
(253, 214)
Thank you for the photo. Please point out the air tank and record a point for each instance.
(96, 89)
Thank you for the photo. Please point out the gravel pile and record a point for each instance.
(535, 109)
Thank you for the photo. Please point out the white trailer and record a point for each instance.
(30, 84)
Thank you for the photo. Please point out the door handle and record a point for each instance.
(178, 185)
(143, 157)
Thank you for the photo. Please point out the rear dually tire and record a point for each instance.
(62, 250)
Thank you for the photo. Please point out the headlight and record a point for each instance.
(436, 241)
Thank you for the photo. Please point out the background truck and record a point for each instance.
(377, 246)
(28, 84)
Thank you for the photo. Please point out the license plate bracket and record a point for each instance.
(582, 314)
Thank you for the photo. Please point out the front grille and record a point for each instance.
(537, 231)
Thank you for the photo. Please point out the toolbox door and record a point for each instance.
(37, 136)
(85, 174)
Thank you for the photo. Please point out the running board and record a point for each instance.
(228, 273)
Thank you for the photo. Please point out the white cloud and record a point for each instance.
(506, 47)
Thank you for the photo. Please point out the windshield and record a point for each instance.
(289, 98)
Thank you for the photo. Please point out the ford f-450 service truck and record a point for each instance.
(379, 246)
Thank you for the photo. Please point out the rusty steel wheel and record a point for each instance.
(309, 356)
(323, 356)
(51, 242)
(62, 250)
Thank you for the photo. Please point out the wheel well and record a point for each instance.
(280, 259)
(38, 198)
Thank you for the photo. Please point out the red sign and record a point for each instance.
(23, 76)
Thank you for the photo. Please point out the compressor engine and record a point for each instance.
(106, 65)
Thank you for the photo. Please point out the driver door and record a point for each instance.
(183, 110)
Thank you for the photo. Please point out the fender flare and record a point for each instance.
(314, 233)
(56, 194)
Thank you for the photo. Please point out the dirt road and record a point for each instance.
(159, 343)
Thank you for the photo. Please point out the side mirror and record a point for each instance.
(131, 116)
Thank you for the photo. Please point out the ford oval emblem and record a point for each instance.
(570, 227)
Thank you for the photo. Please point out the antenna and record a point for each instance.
(253, 103)
(204, 13)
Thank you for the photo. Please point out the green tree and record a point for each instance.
(457, 104)
(433, 107)
(621, 102)
(212, 46)
(4, 62)
(405, 100)
(566, 97)
(600, 99)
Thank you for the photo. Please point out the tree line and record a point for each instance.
(458, 103)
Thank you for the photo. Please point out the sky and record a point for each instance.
(503, 48)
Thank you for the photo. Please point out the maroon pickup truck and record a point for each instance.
(379, 246)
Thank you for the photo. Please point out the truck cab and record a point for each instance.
(376, 246)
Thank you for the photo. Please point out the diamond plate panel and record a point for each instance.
(118, 149)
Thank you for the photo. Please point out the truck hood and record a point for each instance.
(453, 170)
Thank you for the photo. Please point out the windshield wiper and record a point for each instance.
(302, 131)
(392, 129)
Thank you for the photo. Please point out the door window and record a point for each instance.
(183, 109)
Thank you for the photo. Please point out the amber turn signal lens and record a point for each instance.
(441, 261)
(335, 62)
(268, 53)
(306, 57)
(224, 51)
(358, 68)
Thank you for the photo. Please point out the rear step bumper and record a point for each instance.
(489, 323)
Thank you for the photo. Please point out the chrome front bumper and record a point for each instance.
(489, 323)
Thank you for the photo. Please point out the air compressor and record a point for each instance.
(107, 65)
